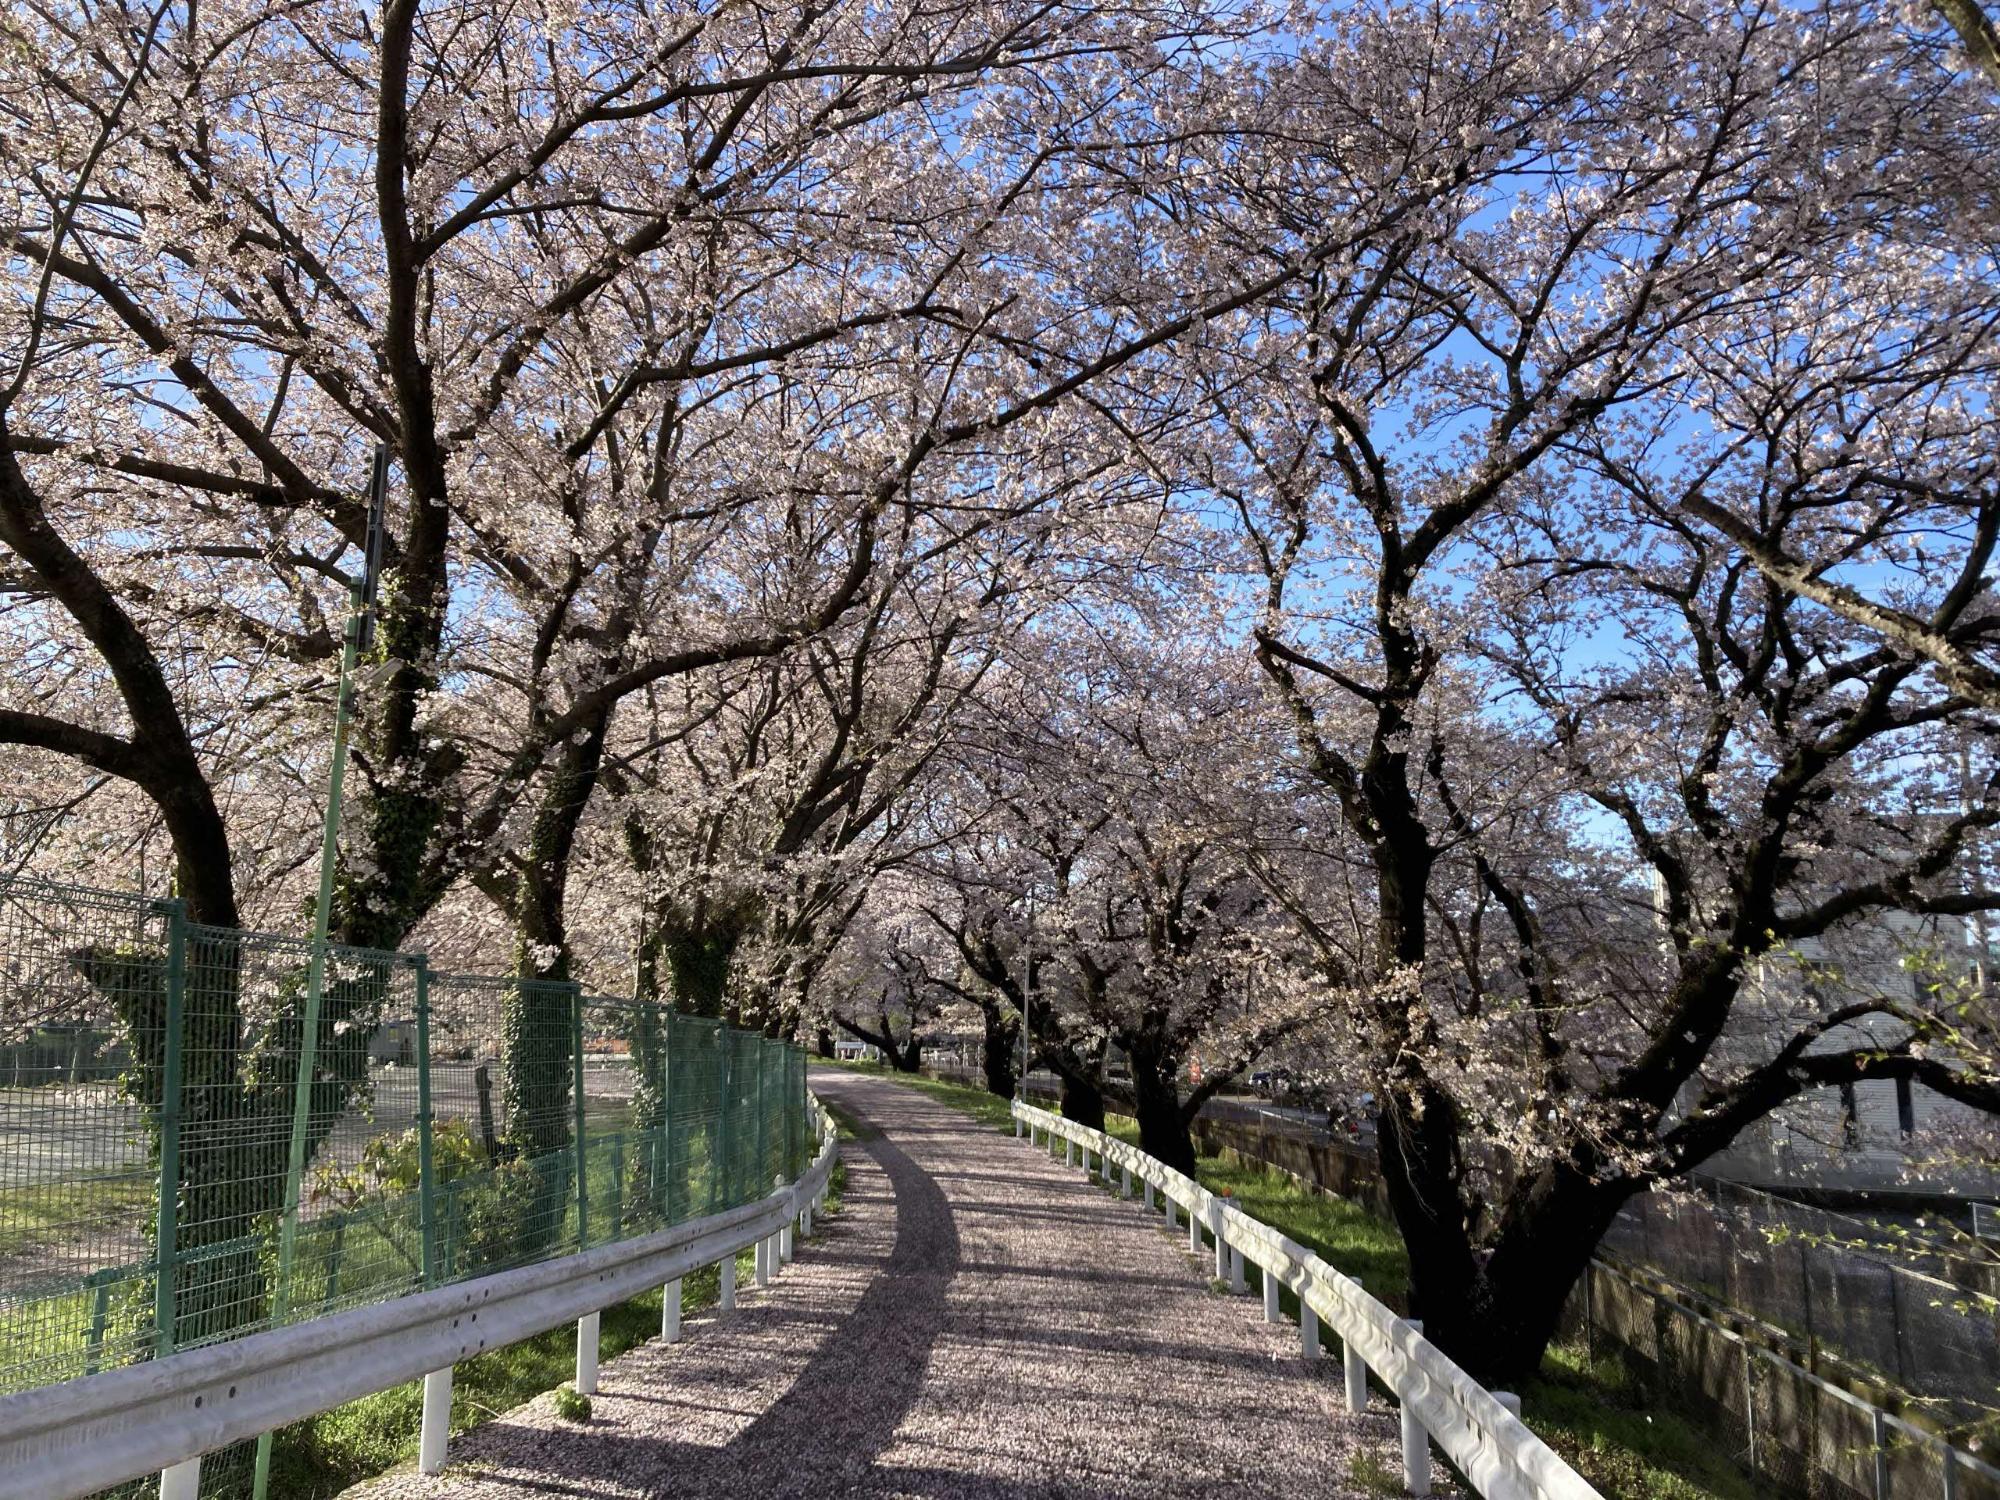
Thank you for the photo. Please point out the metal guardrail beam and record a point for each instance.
(1471, 1425)
(70, 1440)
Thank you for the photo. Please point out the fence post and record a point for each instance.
(166, 1227)
(1896, 1326)
(582, 1144)
(1194, 1230)
(1751, 1403)
(1308, 1331)
(426, 1158)
(1221, 1244)
(435, 1434)
(725, 1300)
(1125, 1183)
(1270, 1294)
(1416, 1442)
(99, 1283)
(718, 1166)
(763, 1111)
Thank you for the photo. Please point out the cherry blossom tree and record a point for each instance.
(1527, 683)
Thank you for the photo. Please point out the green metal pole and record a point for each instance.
(761, 1185)
(167, 1226)
(329, 847)
(582, 1148)
(720, 1162)
(426, 1160)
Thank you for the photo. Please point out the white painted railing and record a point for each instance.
(73, 1439)
(1479, 1430)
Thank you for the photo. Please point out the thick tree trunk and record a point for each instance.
(1082, 1101)
(1495, 1312)
(823, 1042)
(1003, 1041)
(1163, 1125)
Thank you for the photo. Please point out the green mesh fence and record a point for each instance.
(450, 1126)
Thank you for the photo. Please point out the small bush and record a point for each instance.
(571, 1405)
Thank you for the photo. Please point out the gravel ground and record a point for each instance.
(978, 1323)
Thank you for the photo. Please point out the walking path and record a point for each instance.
(977, 1323)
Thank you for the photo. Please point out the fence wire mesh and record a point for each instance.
(166, 1098)
(1795, 1433)
(1775, 1261)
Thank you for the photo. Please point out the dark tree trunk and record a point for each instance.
(823, 1042)
(1497, 1315)
(904, 1059)
(1163, 1124)
(1082, 1101)
(1003, 1040)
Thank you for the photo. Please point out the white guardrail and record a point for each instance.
(73, 1439)
(1479, 1430)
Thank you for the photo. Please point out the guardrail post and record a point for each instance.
(1416, 1453)
(1221, 1243)
(1356, 1370)
(1308, 1331)
(1124, 1182)
(1194, 1230)
(1149, 1197)
(1509, 1400)
(435, 1434)
(587, 1328)
(760, 1258)
(670, 1312)
(1103, 1164)
(725, 1299)
(1069, 1152)
(1270, 1295)
(1416, 1442)
(1236, 1281)
(1017, 1127)
(781, 1242)
(182, 1481)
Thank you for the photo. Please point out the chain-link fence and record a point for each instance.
(197, 1141)
(1796, 1433)
(1775, 1261)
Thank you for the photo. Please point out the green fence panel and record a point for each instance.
(457, 1125)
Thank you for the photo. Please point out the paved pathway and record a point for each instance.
(979, 1322)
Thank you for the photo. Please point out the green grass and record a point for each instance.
(53, 1213)
(1593, 1415)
